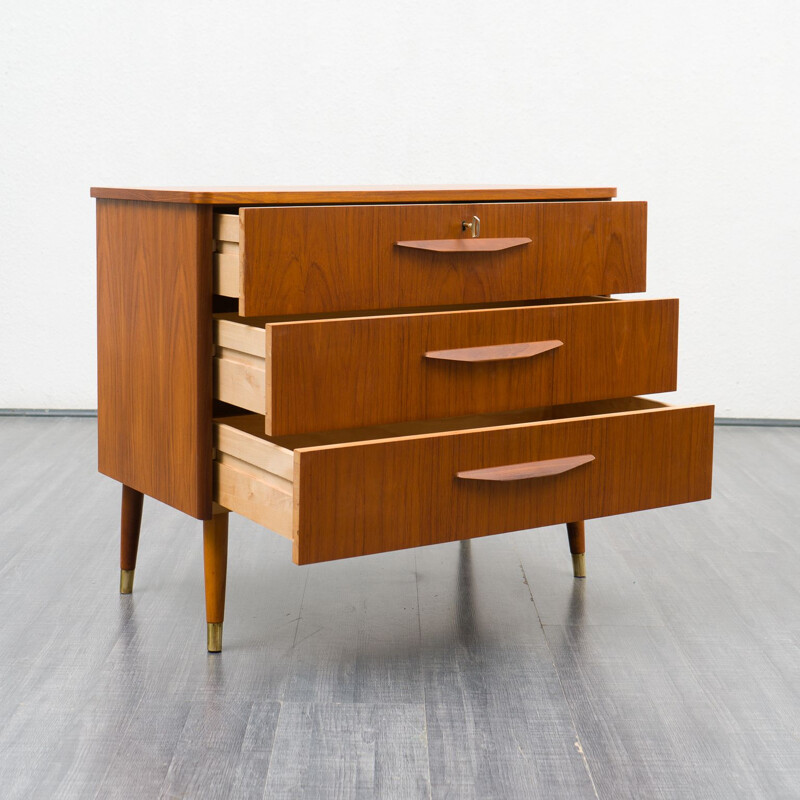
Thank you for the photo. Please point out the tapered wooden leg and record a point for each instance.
(215, 553)
(130, 526)
(577, 546)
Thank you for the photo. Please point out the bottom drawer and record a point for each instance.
(368, 490)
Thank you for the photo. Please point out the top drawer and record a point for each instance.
(310, 259)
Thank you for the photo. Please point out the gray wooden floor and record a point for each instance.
(458, 671)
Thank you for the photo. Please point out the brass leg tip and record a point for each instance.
(126, 581)
(579, 564)
(214, 635)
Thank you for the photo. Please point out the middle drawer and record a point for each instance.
(314, 374)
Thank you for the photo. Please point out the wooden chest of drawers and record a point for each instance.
(363, 370)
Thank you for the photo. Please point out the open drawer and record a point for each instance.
(320, 259)
(308, 375)
(350, 493)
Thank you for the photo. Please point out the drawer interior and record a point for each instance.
(283, 446)
(261, 321)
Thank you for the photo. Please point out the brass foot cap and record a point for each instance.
(214, 635)
(126, 581)
(579, 564)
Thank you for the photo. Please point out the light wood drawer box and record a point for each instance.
(393, 368)
(310, 259)
(397, 486)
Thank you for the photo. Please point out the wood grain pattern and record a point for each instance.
(526, 471)
(355, 499)
(317, 259)
(465, 245)
(376, 367)
(277, 195)
(154, 346)
(495, 352)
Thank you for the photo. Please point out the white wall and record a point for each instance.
(690, 105)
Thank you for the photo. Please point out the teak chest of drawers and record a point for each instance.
(363, 370)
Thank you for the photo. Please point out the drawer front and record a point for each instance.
(337, 258)
(362, 498)
(447, 364)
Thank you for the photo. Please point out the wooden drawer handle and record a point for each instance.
(531, 469)
(495, 352)
(465, 245)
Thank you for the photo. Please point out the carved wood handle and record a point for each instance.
(495, 352)
(531, 469)
(465, 245)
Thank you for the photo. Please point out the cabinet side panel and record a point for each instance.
(154, 350)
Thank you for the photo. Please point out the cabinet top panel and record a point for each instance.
(309, 195)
